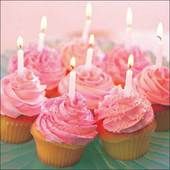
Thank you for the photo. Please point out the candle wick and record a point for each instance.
(159, 37)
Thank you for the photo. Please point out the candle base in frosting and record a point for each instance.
(16, 130)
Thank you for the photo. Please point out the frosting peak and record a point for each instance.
(67, 122)
(21, 95)
(124, 114)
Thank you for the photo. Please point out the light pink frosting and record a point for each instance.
(46, 65)
(154, 83)
(78, 49)
(66, 122)
(116, 62)
(124, 114)
(21, 95)
(92, 83)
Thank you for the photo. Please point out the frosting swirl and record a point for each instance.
(46, 65)
(154, 83)
(78, 49)
(21, 95)
(92, 83)
(124, 114)
(116, 62)
(66, 122)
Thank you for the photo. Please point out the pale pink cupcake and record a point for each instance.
(116, 62)
(63, 130)
(78, 49)
(92, 83)
(46, 65)
(153, 82)
(21, 101)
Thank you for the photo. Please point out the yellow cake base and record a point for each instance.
(55, 154)
(15, 131)
(128, 146)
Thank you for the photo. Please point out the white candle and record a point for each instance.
(89, 58)
(159, 56)
(43, 27)
(129, 75)
(72, 80)
(87, 23)
(20, 55)
(129, 18)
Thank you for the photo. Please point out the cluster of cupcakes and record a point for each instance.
(65, 97)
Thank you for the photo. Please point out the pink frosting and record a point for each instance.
(116, 62)
(124, 114)
(92, 83)
(154, 83)
(46, 65)
(78, 49)
(21, 95)
(66, 122)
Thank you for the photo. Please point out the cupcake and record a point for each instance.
(45, 64)
(116, 62)
(125, 124)
(78, 49)
(63, 130)
(21, 100)
(153, 82)
(92, 83)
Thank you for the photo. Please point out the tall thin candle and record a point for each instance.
(89, 57)
(20, 55)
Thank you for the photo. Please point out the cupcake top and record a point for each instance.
(21, 95)
(153, 82)
(66, 122)
(92, 83)
(78, 49)
(116, 62)
(124, 114)
(46, 64)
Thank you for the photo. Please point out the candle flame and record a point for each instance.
(43, 23)
(129, 17)
(73, 62)
(91, 39)
(20, 42)
(130, 61)
(88, 10)
(160, 30)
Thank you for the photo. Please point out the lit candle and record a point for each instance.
(160, 45)
(129, 18)
(91, 40)
(89, 58)
(87, 23)
(20, 55)
(43, 27)
(129, 75)
(72, 80)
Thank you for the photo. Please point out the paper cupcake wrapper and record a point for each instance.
(163, 120)
(55, 154)
(131, 148)
(14, 131)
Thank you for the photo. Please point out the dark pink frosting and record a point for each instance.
(46, 65)
(92, 83)
(154, 83)
(67, 122)
(116, 62)
(21, 95)
(78, 49)
(124, 114)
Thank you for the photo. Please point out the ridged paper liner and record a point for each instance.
(132, 147)
(163, 120)
(55, 154)
(14, 131)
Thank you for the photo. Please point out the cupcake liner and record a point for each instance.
(52, 92)
(129, 146)
(55, 154)
(14, 131)
(163, 120)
